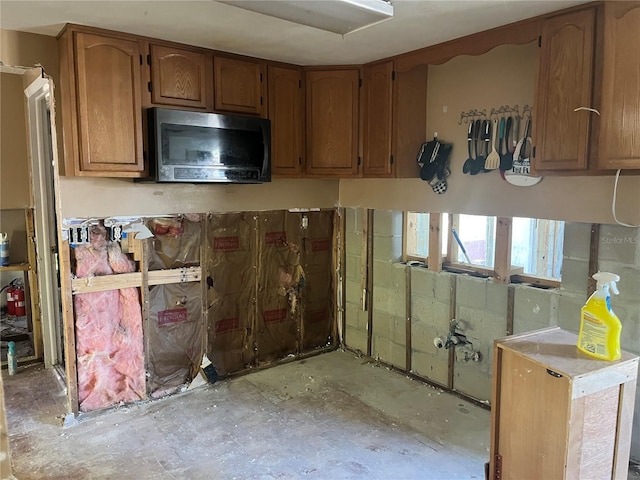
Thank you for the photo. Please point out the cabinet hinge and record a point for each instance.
(360, 82)
(299, 83)
(393, 75)
(299, 160)
(260, 77)
(539, 40)
(534, 152)
(149, 86)
(359, 161)
(497, 468)
(148, 59)
(140, 59)
(391, 159)
(260, 100)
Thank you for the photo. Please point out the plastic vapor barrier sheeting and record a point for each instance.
(109, 342)
(231, 293)
(176, 242)
(317, 294)
(174, 337)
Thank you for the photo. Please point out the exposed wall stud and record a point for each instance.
(435, 242)
(407, 277)
(502, 257)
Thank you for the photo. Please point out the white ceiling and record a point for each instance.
(416, 24)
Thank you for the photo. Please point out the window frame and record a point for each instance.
(502, 271)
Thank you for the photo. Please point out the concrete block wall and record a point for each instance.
(356, 318)
(430, 316)
(389, 287)
(481, 304)
(481, 307)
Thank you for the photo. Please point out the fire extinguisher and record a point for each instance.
(11, 306)
(18, 300)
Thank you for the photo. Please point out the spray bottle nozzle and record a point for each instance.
(607, 280)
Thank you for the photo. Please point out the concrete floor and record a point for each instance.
(331, 416)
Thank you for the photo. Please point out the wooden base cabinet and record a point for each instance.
(557, 413)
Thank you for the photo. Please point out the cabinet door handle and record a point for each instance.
(554, 374)
(587, 109)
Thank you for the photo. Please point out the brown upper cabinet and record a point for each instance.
(377, 104)
(180, 77)
(101, 104)
(564, 84)
(619, 145)
(286, 112)
(332, 109)
(589, 59)
(238, 86)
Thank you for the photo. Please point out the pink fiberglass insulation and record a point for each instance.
(109, 343)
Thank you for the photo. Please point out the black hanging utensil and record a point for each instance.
(480, 143)
(466, 167)
(506, 159)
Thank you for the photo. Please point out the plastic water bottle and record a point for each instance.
(12, 361)
(4, 250)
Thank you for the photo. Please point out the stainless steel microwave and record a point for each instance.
(195, 147)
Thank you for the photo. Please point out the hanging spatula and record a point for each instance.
(493, 159)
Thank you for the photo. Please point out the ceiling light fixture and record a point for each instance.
(338, 16)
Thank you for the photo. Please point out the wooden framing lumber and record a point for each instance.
(435, 243)
(502, 257)
(135, 279)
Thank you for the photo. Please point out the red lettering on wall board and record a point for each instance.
(317, 316)
(320, 245)
(227, 325)
(275, 238)
(169, 317)
(274, 316)
(226, 244)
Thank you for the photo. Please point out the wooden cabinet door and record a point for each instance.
(286, 115)
(332, 108)
(238, 86)
(377, 100)
(561, 134)
(109, 105)
(619, 145)
(181, 77)
(525, 412)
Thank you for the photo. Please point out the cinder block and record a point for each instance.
(390, 300)
(356, 318)
(575, 276)
(619, 244)
(430, 312)
(353, 243)
(353, 220)
(629, 316)
(389, 326)
(470, 380)
(534, 308)
(482, 324)
(353, 292)
(443, 285)
(356, 339)
(387, 222)
(388, 248)
(497, 297)
(577, 240)
(389, 351)
(353, 267)
(422, 282)
(399, 273)
(629, 284)
(422, 336)
(569, 306)
(471, 292)
(434, 368)
(382, 274)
